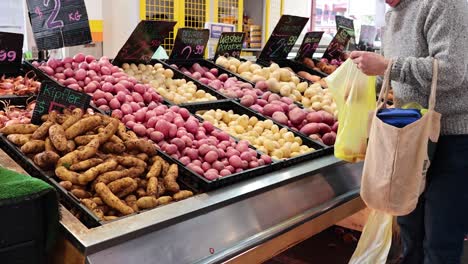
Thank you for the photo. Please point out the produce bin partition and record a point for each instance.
(178, 75)
(320, 148)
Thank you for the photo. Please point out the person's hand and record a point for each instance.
(370, 63)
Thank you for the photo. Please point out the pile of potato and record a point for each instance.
(284, 82)
(175, 90)
(318, 98)
(112, 171)
(229, 86)
(264, 135)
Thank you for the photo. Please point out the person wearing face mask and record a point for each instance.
(416, 33)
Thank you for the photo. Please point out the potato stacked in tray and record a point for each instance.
(111, 170)
(267, 137)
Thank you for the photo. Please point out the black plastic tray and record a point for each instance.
(25, 68)
(178, 75)
(208, 64)
(70, 200)
(320, 148)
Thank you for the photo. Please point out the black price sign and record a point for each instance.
(309, 45)
(346, 23)
(230, 44)
(337, 45)
(367, 37)
(284, 37)
(11, 52)
(190, 43)
(145, 40)
(59, 23)
(55, 97)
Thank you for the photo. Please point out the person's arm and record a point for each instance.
(446, 32)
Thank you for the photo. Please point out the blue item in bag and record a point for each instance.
(399, 117)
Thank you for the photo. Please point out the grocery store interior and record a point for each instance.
(171, 131)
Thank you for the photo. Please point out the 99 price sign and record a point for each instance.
(11, 52)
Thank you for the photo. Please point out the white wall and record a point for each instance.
(94, 9)
(120, 18)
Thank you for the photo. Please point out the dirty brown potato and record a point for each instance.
(33, 146)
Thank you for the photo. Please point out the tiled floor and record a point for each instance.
(329, 247)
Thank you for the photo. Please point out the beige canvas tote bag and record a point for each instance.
(397, 159)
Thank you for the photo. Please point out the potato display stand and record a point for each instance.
(245, 222)
(248, 222)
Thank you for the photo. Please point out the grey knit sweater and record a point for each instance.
(417, 31)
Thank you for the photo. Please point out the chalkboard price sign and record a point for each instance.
(55, 97)
(59, 23)
(190, 43)
(144, 40)
(346, 23)
(11, 52)
(283, 37)
(230, 44)
(309, 45)
(337, 45)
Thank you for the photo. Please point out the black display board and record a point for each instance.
(11, 52)
(283, 37)
(55, 97)
(230, 44)
(309, 45)
(190, 44)
(337, 45)
(144, 40)
(59, 23)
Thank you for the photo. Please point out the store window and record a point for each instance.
(228, 12)
(191, 14)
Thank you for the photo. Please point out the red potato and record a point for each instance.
(329, 138)
(272, 108)
(311, 128)
(280, 117)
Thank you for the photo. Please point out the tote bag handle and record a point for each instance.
(383, 96)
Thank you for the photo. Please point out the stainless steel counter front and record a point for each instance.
(216, 226)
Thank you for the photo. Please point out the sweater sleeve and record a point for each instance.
(446, 33)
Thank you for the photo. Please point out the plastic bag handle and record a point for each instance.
(383, 96)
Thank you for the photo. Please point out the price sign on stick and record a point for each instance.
(337, 45)
(11, 52)
(145, 40)
(346, 23)
(55, 97)
(59, 23)
(309, 45)
(284, 36)
(190, 43)
(230, 44)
